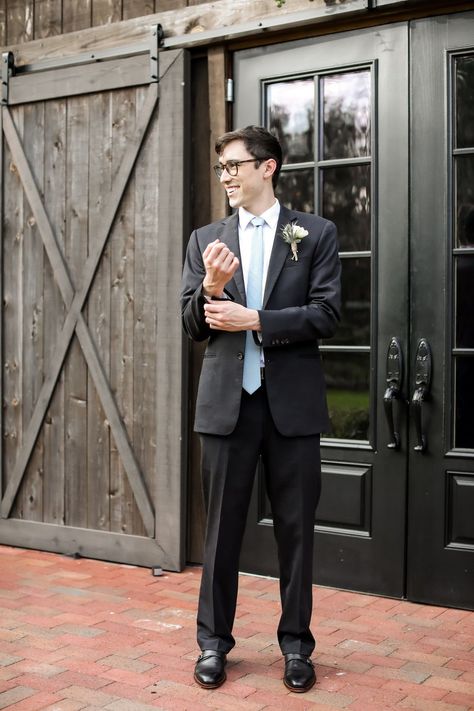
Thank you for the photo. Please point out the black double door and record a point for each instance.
(378, 134)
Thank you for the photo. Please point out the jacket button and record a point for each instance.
(240, 355)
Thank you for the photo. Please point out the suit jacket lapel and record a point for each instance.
(230, 235)
(279, 253)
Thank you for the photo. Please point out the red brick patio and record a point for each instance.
(83, 634)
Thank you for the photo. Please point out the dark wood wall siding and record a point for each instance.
(25, 20)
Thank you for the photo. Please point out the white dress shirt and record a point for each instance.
(246, 232)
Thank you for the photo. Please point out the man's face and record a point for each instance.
(246, 188)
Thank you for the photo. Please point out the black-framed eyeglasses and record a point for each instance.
(232, 166)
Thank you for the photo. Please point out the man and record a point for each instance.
(262, 292)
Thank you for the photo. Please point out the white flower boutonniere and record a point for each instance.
(293, 234)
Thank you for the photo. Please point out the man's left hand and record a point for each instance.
(229, 316)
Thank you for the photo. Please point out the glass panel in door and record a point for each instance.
(323, 123)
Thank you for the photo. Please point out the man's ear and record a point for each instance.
(270, 167)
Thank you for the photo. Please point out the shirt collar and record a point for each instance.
(270, 216)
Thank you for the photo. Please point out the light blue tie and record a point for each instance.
(251, 380)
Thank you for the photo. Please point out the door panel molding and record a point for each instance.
(459, 508)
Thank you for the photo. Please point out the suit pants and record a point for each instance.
(292, 468)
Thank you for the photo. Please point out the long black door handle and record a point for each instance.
(423, 370)
(394, 370)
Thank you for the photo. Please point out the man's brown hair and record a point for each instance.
(259, 142)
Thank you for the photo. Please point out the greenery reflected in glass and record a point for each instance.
(354, 328)
(290, 117)
(346, 113)
(296, 189)
(465, 102)
(347, 379)
(346, 201)
(464, 394)
(465, 201)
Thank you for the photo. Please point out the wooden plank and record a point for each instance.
(20, 21)
(190, 22)
(74, 316)
(3, 23)
(2, 249)
(216, 60)
(35, 201)
(200, 215)
(75, 413)
(98, 429)
(54, 310)
(105, 12)
(47, 18)
(127, 457)
(12, 308)
(164, 5)
(137, 8)
(76, 80)
(170, 435)
(147, 255)
(201, 172)
(116, 547)
(122, 310)
(20, 462)
(77, 15)
(29, 503)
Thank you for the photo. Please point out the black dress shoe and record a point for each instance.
(299, 673)
(209, 671)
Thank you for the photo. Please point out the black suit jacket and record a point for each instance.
(301, 305)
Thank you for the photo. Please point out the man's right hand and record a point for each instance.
(220, 264)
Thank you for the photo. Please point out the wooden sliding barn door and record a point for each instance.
(92, 192)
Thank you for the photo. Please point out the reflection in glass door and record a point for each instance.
(463, 252)
(323, 122)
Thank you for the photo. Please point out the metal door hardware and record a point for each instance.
(423, 369)
(393, 392)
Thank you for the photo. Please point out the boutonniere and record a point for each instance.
(293, 234)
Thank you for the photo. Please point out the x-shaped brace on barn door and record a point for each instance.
(74, 322)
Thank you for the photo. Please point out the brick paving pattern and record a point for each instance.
(82, 635)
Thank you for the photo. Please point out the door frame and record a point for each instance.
(436, 569)
(344, 555)
(434, 573)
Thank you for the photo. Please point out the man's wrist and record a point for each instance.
(255, 325)
(209, 292)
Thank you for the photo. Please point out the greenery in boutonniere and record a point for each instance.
(293, 234)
